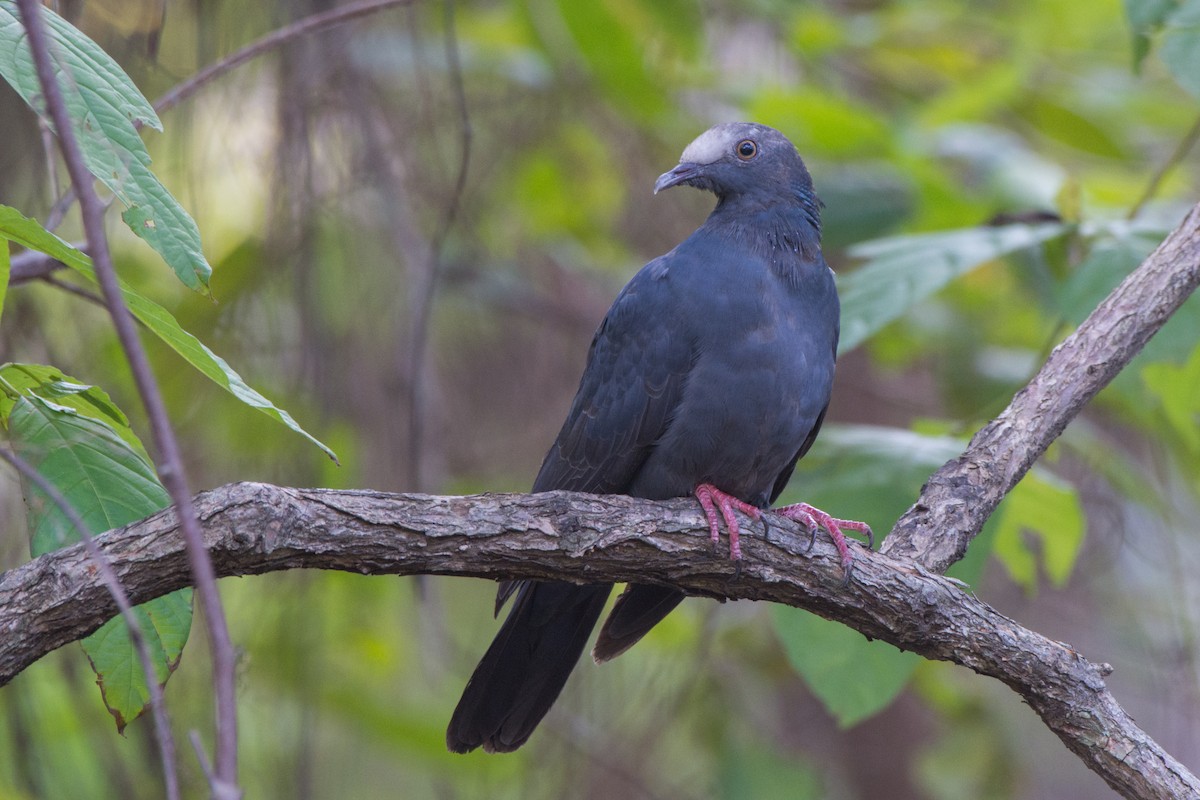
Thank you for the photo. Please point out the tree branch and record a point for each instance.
(958, 499)
(257, 528)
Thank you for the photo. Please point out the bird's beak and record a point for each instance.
(681, 174)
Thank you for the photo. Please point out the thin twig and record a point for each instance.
(158, 708)
(1181, 150)
(423, 308)
(269, 42)
(170, 462)
(71, 288)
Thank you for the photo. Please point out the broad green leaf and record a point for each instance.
(165, 622)
(29, 233)
(109, 484)
(104, 106)
(903, 270)
(1047, 508)
(868, 472)
(852, 676)
(50, 384)
(1180, 49)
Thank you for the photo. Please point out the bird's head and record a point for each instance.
(743, 161)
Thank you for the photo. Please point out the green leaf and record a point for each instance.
(165, 622)
(868, 472)
(1180, 49)
(1068, 126)
(1118, 249)
(5, 266)
(29, 233)
(1146, 17)
(109, 484)
(50, 384)
(1047, 509)
(853, 677)
(1175, 388)
(874, 473)
(607, 40)
(104, 106)
(901, 271)
(755, 771)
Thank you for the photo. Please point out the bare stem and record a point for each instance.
(271, 41)
(427, 290)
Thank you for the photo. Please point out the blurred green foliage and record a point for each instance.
(990, 172)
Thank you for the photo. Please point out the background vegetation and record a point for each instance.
(416, 221)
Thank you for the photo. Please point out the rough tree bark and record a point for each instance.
(896, 595)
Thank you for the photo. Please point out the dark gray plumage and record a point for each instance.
(710, 375)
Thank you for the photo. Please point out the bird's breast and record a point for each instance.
(762, 374)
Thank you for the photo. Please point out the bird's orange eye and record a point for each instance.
(746, 149)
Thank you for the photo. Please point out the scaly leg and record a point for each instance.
(711, 499)
(814, 518)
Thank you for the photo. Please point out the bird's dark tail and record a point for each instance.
(526, 666)
(638, 609)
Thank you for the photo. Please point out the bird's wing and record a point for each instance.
(636, 371)
(781, 482)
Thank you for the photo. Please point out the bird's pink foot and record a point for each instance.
(713, 499)
(814, 518)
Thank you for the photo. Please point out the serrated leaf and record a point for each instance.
(27, 232)
(165, 623)
(853, 677)
(901, 271)
(67, 393)
(104, 106)
(109, 484)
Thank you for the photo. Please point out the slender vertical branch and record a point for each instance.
(423, 307)
(169, 463)
(158, 708)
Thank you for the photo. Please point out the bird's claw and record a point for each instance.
(813, 518)
(713, 500)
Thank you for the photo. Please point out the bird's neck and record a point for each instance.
(783, 230)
